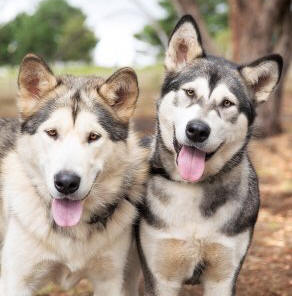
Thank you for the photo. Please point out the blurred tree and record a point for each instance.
(213, 21)
(75, 30)
(49, 32)
(149, 33)
(259, 28)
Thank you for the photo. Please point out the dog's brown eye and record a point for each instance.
(93, 137)
(226, 103)
(190, 92)
(52, 133)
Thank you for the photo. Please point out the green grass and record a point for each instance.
(150, 79)
(84, 69)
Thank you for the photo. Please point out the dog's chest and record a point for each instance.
(189, 210)
(91, 254)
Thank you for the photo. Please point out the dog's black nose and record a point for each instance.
(197, 131)
(67, 182)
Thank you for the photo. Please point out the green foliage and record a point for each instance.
(74, 32)
(149, 35)
(214, 12)
(49, 32)
(223, 39)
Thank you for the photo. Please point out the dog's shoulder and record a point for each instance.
(8, 131)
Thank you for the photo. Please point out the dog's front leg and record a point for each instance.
(19, 259)
(12, 286)
(133, 272)
(109, 287)
(107, 272)
(214, 284)
(223, 266)
(108, 279)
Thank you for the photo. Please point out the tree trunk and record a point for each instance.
(155, 24)
(258, 28)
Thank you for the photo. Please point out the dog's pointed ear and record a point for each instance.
(185, 44)
(35, 80)
(121, 91)
(262, 76)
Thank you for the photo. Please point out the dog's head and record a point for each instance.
(71, 129)
(207, 104)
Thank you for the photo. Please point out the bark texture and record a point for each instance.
(258, 28)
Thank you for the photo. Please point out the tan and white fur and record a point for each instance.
(79, 125)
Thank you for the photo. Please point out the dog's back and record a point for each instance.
(8, 130)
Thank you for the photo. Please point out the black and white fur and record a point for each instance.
(201, 231)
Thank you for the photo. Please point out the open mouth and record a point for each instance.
(191, 161)
(66, 212)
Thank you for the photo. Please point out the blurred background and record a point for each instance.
(84, 37)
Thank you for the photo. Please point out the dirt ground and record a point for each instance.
(267, 270)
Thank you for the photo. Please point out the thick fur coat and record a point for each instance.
(70, 126)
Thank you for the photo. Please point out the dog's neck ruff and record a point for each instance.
(103, 218)
(155, 171)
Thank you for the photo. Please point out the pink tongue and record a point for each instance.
(66, 212)
(191, 163)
